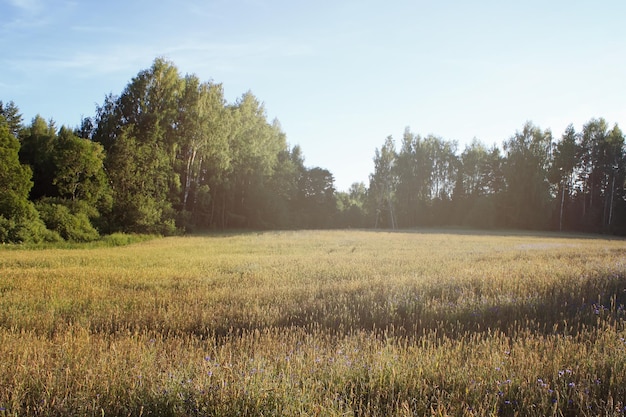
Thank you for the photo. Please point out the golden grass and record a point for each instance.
(317, 323)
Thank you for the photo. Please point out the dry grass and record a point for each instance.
(317, 323)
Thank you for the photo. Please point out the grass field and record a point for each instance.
(327, 323)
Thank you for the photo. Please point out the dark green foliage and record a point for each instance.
(69, 220)
(79, 170)
(27, 227)
(316, 200)
(383, 184)
(351, 207)
(70, 185)
(19, 221)
(178, 157)
(37, 151)
(169, 155)
(137, 130)
(15, 178)
(577, 183)
(526, 170)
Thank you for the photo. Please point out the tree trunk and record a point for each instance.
(611, 203)
(562, 203)
(187, 185)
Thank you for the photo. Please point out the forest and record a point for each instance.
(170, 155)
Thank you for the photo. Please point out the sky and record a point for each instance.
(339, 75)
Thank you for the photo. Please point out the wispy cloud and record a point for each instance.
(28, 6)
(95, 29)
(25, 15)
(240, 57)
(82, 64)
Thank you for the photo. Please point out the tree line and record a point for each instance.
(165, 156)
(571, 183)
(170, 155)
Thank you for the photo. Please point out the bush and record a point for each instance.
(71, 225)
(27, 228)
(123, 239)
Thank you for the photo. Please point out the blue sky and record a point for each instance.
(340, 76)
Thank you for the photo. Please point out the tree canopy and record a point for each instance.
(170, 155)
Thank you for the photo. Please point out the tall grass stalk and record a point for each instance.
(317, 323)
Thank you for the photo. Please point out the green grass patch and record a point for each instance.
(112, 240)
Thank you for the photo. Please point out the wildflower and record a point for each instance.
(571, 385)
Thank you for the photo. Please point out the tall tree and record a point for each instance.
(12, 117)
(444, 162)
(254, 146)
(528, 155)
(409, 188)
(600, 174)
(19, 221)
(614, 170)
(203, 154)
(138, 132)
(37, 151)
(414, 169)
(473, 170)
(285, 207)
(473, 197)
(563, 169)
(318, 205)
(70, 186)
(79, 171)
(383, 184)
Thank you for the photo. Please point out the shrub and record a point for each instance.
(71, 225)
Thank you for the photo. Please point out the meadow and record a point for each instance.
(317, 323)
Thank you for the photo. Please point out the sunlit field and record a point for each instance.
(327, 323)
